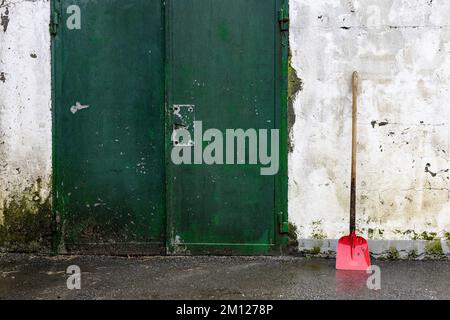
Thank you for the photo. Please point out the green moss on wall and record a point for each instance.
(433, 249)
(318, 235)
(447, 236)
(314, 251)
(410, 234)
(428, 236)
(412, 255)
(318, 232)
(27, 221)
(292, 234)
(393, 254)
(292, 246)
(295, 84)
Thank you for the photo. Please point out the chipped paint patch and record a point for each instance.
(77, 107)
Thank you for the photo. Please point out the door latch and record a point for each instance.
(183, 117)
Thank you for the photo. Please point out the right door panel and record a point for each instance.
(223, 60)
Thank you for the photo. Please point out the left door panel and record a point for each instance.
(108, 107)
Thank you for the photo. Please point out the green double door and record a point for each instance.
(125, 75)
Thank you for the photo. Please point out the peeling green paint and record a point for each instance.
(27, 221)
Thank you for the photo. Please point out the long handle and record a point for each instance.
(354, 141)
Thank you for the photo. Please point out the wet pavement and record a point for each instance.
(39, 277)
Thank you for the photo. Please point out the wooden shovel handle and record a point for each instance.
(354, 144)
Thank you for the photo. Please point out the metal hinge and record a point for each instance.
(54, 22)
(283, 19)
(284, 225)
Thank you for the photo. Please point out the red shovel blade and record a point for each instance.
(352, 253)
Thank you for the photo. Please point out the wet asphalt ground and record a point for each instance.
(40, 277)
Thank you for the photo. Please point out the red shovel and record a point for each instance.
(352, 250)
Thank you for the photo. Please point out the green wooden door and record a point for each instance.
(225, 62)
(109, 125)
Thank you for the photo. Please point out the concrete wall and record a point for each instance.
(401, 49)
(25, 122)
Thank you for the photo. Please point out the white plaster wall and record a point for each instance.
(401, 49)
(25, 98)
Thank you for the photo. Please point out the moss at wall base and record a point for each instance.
(433, 249)
(393, 254)
(27, 220)
(292, 247)
(382, 249)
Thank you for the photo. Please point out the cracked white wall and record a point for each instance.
(25, 98)
(401, 49)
